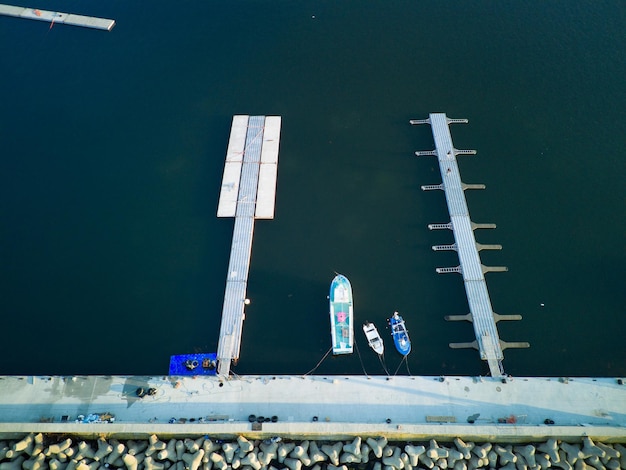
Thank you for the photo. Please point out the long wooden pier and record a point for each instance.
(481, 314)
(248, 193)
(55, 17)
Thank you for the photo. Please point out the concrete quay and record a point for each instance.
(401, 408)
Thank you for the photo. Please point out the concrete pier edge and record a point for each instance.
(400, 408)
(323, 431)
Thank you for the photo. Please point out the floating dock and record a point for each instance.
(481, 314)
(400, 408)
(193, 364)
(248, 192)
(54, 17)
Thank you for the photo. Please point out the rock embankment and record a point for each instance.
(52, 452)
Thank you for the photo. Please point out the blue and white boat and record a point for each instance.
(341, 315)
(400, 334)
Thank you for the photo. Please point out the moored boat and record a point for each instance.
(341, 315)
(373, 338)
(400, 334)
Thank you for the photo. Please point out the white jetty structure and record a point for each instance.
(55, 17)
(473, 271)
(248, 192)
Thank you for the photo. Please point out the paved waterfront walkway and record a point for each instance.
(320, 406)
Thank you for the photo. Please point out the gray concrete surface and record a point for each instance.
(480, 408)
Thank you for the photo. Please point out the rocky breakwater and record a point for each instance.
(54, 452)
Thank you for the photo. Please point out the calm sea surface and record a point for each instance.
(112, 148)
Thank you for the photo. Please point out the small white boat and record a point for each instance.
(373, 338)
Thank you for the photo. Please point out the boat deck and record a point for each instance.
(56, 17)
(247, 193)
(482, 315)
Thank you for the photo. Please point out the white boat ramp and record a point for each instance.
(473, 271)
(248, 192)
(55, 17)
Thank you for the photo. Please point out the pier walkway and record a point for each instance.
(248, 193)
(55, 17)
(400, 408)
(481, 313)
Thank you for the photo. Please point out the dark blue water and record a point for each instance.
(112, 148)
